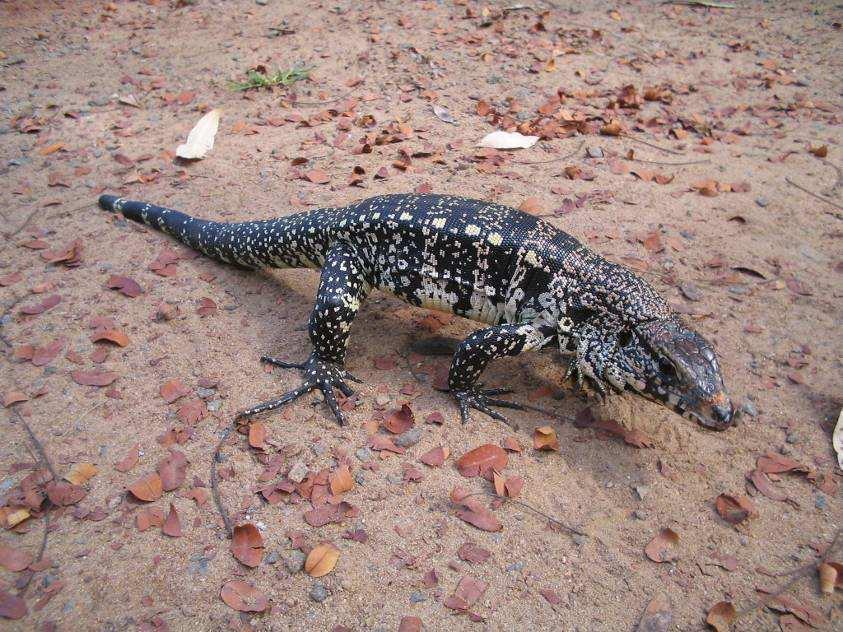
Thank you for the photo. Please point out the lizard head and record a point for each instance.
(667, 362)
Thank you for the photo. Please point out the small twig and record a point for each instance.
(37, 444)
(558, 159)
(326, 102)
(49, 465)
(671, 164)
(799, 573)
(838, 182)
(215, 490)
(649, 144)
(815, 195)
(520, 503)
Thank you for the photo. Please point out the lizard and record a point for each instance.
(533, 285)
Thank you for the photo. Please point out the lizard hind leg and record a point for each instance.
(342, 287)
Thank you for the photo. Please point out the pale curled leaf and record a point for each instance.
(507, 140)
(837, 439)
(200, 140)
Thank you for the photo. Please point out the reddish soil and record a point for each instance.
(723, 106)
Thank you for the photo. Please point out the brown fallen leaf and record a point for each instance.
(129, 461)
(734, 509)
(435, 457)
(481, 460)
(124, 285)
(257, 435)
(173, 390)
(172, 524)
(94, 378)
(317, 176)
(80, 473)
(14, 559)
(147, 488)
(476, 514)
(658, 616)
(544, 438)
(828, 578)
(470, 552)
(247, 545)
(64, 494)
(321, 560)
(111, 335)
(410, 624)
(14, 397)
(531, 205)
(399, 420)
(172, 470)
(721, 615)
(12, 606)
(468, 591)
(612, 128)
(340, 480)
(662, 548)
(243, 597)
(819, 152)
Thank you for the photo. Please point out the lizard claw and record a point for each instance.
(482, 399)
(318, 374)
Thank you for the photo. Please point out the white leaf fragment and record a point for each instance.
(201, 137)
(837, 440)
(507, 140)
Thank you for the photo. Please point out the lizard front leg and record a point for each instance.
(472, 356)
(341, 289)
(596, 340)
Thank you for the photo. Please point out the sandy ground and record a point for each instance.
(746, 91)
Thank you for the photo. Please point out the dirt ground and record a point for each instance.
(717, 106)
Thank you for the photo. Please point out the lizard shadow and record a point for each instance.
(280, 303)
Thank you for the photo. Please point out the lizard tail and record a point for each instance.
(260, 244)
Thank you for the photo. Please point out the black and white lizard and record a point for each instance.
(532, 284)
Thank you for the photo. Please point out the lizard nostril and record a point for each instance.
(723, 414)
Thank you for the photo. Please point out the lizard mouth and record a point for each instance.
(719, 418)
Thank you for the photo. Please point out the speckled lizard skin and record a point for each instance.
(530, 283)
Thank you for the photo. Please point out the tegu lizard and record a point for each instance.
(532, 284)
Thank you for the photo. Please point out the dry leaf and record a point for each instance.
(129, 461)
(111, 335)
(12, 606)
(243, 597)
(172, 524)
(734, 509)
(837, 439)
(507, 140)
(475, 513)
(612, 128)
(16, 559)
(80, 473)
(481, 460)
(544, 438)
(340, 480)
(828, 578)
(321, 560)
(173, 390)
(247, 545)
(436, 456)
(721, 615)
(257, 435)
(200, 140)
(531, 205)
(658, 616)
(819, 152)
(399, 421)
(662, 548)
(147, 488)
(443, 114)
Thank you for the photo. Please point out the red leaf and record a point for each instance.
(12, 606)
(94, 378)
(172, 524)
(470, 552)
(47, 304)
(662, 548)
(474, 513)
(734, 510)
(481, 460)
(64, 494)
(317, 176)
(173, 390)
(124, 285)
(14, 558)
(399, 421)
(247, 545)
(243, 597)
(435, 457)
(129, 461)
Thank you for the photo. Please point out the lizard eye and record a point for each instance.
(667, 369)
(625, 338)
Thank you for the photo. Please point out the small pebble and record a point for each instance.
(749, 408)
(319, 448)
(214, 405)
(205, 393)
(761, 201)
(744, 540)
(360, 477)
(298, 472)
(517, 566)
(318, 592)
(594, 152)
(820, 502)
(294, 561)
(640, 514)
(364, 454)
(395, 478)
(417, 597)
(792, 437)
(409, 438)
(642, 491)
(272, 557)
(580, 539)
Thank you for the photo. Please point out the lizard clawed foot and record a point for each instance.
(482, 399)
(318, 374)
